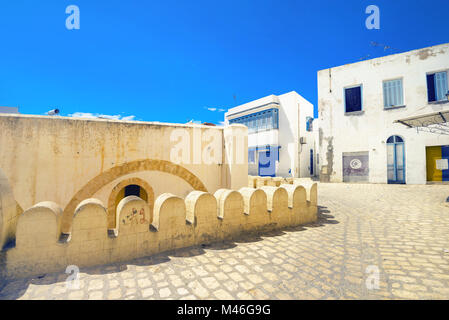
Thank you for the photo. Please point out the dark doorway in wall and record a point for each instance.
(311, 162)
(132, 190)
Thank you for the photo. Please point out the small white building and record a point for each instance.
(14, 110)
(280, 136)
(359, 106)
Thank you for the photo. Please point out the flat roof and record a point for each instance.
(149, 123)
(389, 55)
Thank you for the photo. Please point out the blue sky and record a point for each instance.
(171, 61)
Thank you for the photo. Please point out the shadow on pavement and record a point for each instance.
(15, 289)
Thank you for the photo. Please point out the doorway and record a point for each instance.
(395, 160)
(437, 163)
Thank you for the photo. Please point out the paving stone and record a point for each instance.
(115, 294)
(148, 292)
(400, 230)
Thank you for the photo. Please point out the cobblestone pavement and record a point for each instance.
(402, 231)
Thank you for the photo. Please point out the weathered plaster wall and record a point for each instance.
(369, 131)
(9, 211)
(67, 160)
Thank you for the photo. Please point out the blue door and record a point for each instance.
(267, 162)
(395, 160)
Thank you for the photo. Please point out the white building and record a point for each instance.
(359, 104)
(280, 137)
(9, 110)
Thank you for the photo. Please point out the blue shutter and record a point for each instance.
(387, 102)
(393, 93)
(440, 85)
(275, 119)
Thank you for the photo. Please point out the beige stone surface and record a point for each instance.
(201, 218)
(67, 160)
(9, 210)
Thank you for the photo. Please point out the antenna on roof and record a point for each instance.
(384, 46)
(365, 57)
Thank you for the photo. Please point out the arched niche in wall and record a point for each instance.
(129, 187)
(95, 184)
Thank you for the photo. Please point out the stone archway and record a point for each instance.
(95, 184)
(115, 192)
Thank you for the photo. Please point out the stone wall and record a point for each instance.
(42, 247)
(67, 160)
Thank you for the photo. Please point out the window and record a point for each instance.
(437, 86)
(353, 99)
(309, 123)
(395, 139)
(275, 119)
(259, 121)
(251, 156)
(393, 94)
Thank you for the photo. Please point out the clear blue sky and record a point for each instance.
(171, 60)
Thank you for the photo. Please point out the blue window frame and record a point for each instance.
(259, 121)
(309, 121)
(437, 86)
(353, 99)
(393, 93)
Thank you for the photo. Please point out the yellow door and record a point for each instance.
(432, 155)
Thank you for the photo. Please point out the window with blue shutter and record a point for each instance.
(259, 121)
(309, 121)
(437, 87)
(441, 85)
(353, 99)
(393, 93)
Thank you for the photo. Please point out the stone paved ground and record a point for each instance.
(401, 230)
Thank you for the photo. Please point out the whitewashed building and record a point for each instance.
(366, 131)
(9, 110)
(280, 136)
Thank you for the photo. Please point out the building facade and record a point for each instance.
(280, 135)
(359, 105)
